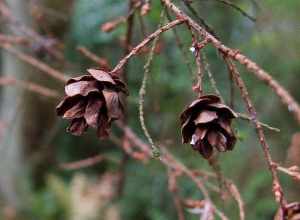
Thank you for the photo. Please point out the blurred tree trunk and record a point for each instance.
(28, 119)
(11, 149)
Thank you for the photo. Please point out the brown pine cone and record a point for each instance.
(206, 124)
(290, 212)
(92, 100)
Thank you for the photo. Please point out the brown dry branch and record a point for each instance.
(17, 26)
(277, 189)
(168, 160)
(142, 25)
(129, 149)
(142, 93)
(228, 185)
(211, 77)
(198, 87)
(261, 74)
(102, 62)
(214, 163)
(293, 153)
(91, 161)
(180, 45)
(45, 68)
(240, 10)
(146, 8)
(11, 39)
(199, 63)
(111, 25)
(173, 188)
(178, 206)
(148, 39)
(199, 18)
(248, 118)
(237, 196)
(33, 87)
(293, 171)
(47, 11)
(125, 144)
(215, 88)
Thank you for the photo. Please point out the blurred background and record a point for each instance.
(37, 180)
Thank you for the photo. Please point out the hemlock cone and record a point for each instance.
(92, 100)
(290, 212)
(206, 124)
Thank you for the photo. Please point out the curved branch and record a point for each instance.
(251, 66)
(148, 39)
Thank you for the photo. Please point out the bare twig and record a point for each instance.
(292, 171)
(173, 188)
(234, 6)
(142, 93)
(151, 37)
(248, 118)
(237, 196)
(111, 25)
(200, 73)
(28, 32)
(199, 18)
(261, 74)
(168, 160)
(277, 189)
(11, 39)
(34, 62)
(91, 161)
(103, 63)
(33, 87)
(180, 45)
(214, 86)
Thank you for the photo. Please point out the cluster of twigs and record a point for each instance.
(133, 145)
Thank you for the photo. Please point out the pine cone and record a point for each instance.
(206, 124)
(92, 100)
(290, 212)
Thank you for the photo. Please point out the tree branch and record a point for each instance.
(261, 74)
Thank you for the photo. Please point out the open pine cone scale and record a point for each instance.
(206, 124)
(92, 100)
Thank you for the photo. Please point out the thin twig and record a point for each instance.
(261, 74)
(151, 37)
(199, 18)
(240, 115)
(34, 62)
(12, 39)
(237, 196)
(30, 86)
(103, 63)
(142, 93)
(91, 161)
(248, 118)
(292, 171)
(180, 45)
(211, 77)
(277, 189)
(28, 32)
(200, 73)
(125, 143)
(173, 188)
(234, 6)
(111, 25)
(168, 160)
